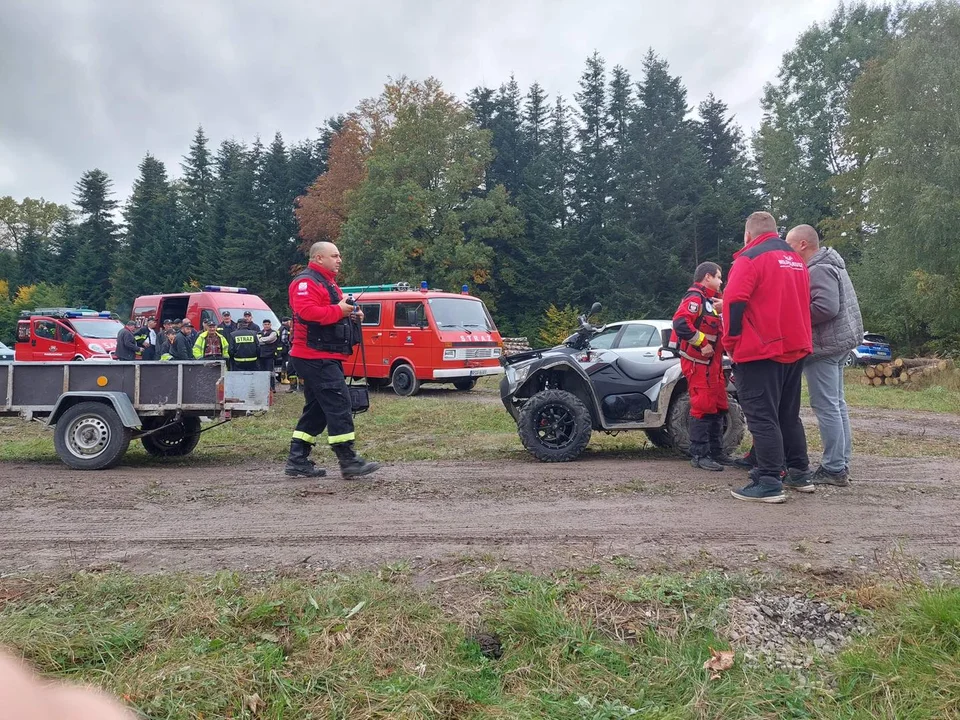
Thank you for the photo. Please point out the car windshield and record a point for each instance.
(236, 314)
(880, 339)
(466, 314)
(97, 329)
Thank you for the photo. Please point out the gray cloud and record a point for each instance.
(98, 83)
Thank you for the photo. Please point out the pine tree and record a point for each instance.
(280, 251)
(197, 198)
(228, 167)
(90, 283)
(149, 261)
(668, 187)
(509, 160)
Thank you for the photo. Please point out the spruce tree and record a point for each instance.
(149, 261)
(196, 197)
(91, 280)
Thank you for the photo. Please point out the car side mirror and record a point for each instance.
(595, 308)
(665, 334)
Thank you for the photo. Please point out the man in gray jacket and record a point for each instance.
(837, 329)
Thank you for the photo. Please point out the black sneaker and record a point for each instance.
(824, 477)
(799, 480)
(723, 459)
(755, 492)
(705, 463)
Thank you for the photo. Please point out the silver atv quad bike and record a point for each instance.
(559, 396)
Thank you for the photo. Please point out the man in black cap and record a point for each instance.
(126, 342)
(227, 325)
(247, 322)
(183, 346)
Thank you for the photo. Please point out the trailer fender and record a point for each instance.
(120, 402)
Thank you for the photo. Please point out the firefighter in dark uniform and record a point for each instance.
(326, 329)
(697, 332)
(269, 340)
(244, 348)
(286, 342)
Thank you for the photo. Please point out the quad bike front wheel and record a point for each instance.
(555, 426)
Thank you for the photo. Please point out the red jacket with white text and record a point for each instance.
(310, 301)
(766, 313)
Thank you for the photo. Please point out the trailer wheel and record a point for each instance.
(175, 440)
(90, 436)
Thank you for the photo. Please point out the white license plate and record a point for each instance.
(475, 373)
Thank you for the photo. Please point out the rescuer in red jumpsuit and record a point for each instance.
(697, 330)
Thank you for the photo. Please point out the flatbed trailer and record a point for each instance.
(97, 408)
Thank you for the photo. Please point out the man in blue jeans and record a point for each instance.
(837, 329)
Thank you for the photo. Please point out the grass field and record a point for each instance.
(588, 644)
(447, 425)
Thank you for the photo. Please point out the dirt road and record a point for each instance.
(517, 512)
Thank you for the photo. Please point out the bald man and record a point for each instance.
(326, 328)
(837, 329)
(766, 328)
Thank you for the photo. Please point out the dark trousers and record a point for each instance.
(327, 402)
(267, 364)
(706, 435)
(769, 393)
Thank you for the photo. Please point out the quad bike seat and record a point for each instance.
(642, 371)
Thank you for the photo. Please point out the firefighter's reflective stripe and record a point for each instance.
(346, 437)
(307, 438)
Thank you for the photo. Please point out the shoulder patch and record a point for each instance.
(693, 306)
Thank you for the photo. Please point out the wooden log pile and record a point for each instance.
(902, 371)
(515, 345)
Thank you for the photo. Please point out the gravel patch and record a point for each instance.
(789, 631)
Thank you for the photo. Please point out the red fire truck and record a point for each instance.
(412, 337)
(66, 334)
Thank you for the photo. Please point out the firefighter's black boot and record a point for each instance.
(717, 453)
(299, 464)
(351, 464)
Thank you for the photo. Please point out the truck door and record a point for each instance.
(373, 344)
(412, 337)
(51, 341)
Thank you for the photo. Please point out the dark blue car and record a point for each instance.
(874, 349)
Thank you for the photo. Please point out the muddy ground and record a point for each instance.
(900, 516)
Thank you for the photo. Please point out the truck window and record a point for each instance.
(45, 329)
(409, 314)
(23, 332)
(371, 313)
(208, 315)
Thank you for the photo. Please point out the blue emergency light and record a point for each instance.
(92, 313)
(423, 286)
(465, 289)
(223, 288)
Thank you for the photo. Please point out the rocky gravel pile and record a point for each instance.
(789, 631)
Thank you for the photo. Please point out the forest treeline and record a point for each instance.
(536, 200)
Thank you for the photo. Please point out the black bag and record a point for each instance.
(359, 394)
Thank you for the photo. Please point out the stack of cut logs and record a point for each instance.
(902, 371)
(515, 345)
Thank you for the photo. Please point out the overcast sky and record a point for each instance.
(98, 83)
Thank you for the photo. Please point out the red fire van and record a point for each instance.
(421, 336)
(208, 304)
(66, 334)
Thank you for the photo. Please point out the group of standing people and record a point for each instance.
(243, 344)
(789, 311)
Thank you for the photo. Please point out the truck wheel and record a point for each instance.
(555, 426)
(678, 425)
(404, 381)
(659, 437)
(90, 436)
(175, 440)
(465, 385)
(378, 383)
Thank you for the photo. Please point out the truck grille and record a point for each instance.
(477, 353)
